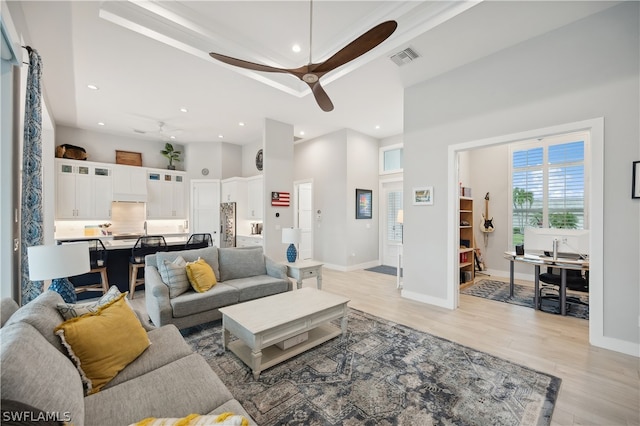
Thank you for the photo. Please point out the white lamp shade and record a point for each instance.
(58, 261)
(291, 235)
(400, 218)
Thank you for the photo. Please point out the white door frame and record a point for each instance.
(382, 212)
(296, 205)
(596, 222)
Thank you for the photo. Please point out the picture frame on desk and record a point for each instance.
(635, 182)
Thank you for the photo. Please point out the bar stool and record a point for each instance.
(196, 241)
(148, 244)
(98, 262)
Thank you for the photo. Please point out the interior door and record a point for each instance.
(304, 218)
(205, 208)
(391, 229)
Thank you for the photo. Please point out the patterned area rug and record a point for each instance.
(383, 373)
(523, 296)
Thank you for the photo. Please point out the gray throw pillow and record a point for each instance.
(174, 275)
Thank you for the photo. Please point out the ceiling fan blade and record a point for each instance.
(246, 64)
(357, 47)
(321, 97)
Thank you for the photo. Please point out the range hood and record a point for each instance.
(130, 197)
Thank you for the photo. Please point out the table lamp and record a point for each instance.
(291, 236)
(56, 263)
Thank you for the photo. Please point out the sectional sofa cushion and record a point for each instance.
(259, 286)
(192, 303)
(241, 263)
(34, 373)
(43, 315)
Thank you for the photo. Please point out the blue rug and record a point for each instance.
(384, 269)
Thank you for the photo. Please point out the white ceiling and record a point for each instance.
(149, 59)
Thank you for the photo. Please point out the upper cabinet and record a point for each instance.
(255, 194)
(129, 183)
(166, 195)
(83, 190)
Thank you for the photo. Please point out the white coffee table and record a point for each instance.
(260, 324)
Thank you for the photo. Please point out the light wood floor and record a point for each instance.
(599, 387)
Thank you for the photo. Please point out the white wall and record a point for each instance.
(101, 147)
(203, 155)
(249, 152)
(582, 71)
(339, 163)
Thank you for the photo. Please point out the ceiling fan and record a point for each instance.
(311, 73)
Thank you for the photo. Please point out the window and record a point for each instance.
(394, 228)
(548, 179)
(391, 159)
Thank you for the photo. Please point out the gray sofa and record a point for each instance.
(167, 380)
(242, 273)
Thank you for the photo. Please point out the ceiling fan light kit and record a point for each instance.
(311, 73)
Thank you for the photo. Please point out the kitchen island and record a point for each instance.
(119, 252)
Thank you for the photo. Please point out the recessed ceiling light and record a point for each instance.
(301, 132)
(100, 123)
(377, 126)
(92, 86)
(220, 136)
(172, 137)
(296, 48)
(183, 109)
(241, 124)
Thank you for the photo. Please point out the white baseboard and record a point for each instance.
(419, 297)
(351, 268)
(617, 345)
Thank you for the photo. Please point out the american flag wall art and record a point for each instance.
(280, 199)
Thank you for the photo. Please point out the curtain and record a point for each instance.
(31, 195)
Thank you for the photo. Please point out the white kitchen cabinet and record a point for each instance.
(83, 190)
(255, 200)
(233, 190)
(129, 183)
(166, 195)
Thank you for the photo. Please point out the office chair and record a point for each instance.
(147, 244)
(98, 260)
(197, 241)
(550, 288)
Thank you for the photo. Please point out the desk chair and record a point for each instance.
(550, 288)
(98, 261)
(148, 244)
(197, 241)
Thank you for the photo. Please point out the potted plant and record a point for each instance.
(171, 154)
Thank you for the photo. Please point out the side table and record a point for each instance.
(305, 269)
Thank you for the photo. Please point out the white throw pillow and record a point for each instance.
(174, 275)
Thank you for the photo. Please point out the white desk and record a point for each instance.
(305, 269)
(537, 261)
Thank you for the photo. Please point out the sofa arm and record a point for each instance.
(7, 308)
(275, 269)
(157, 297)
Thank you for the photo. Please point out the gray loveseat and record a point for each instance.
(242, 273)
(167, 380)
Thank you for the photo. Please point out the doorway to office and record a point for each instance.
(593, 192)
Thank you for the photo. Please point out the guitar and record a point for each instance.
(486, 224)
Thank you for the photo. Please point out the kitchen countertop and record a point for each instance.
(259, 236)
(111, 244)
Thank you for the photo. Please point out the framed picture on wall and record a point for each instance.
(423, 196)
(364, 203)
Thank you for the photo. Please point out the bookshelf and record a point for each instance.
(466, 249)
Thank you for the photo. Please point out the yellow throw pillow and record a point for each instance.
(104, 342)
(200, 275)
(226, 419)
